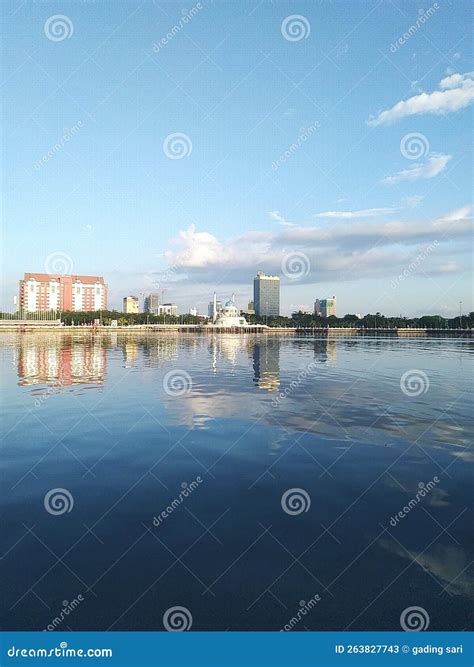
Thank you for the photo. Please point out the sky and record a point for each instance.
(182, 146)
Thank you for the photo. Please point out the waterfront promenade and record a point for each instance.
(32, 326)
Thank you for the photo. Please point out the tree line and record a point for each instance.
(299, 319)
(369, 321)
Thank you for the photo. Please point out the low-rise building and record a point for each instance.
(151, 304)
(131, 304)
(325, 307)
(168, 309)
(42, 292)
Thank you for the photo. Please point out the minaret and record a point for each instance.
(233, 298)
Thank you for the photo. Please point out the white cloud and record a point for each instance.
(277, 217)
(456, 92)
(362, 250)
(345, 236)
(462, 213)
(456, 81)
(434, 166)
(350, 215)
(201, 250)
(198, 249)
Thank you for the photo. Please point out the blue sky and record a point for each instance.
(294, 152)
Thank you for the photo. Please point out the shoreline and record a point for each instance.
(197, 330)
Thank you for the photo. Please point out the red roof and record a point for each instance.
(47, 277)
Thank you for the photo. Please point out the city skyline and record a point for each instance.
(46, 293)
(237, 146)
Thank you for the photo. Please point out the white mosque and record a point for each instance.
(228, 316)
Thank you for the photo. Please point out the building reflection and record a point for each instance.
(266, 363)
(66, 360)
(130, 352)
(156, 350)
(325, 349)
(59, 361)
(224, 348)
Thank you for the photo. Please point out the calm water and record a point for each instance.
(240, 421)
